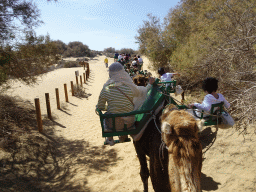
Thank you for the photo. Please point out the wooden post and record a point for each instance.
(84, 77)
(81, 81)
(183, 97)
(57, 98)
(88, 70)
(84, 64)
(72, 88)
(77, 80)
(66, 92)
(38, 115)
(48, 106)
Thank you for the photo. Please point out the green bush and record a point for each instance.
(70, 64)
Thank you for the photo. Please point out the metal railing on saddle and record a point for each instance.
(159, 92)
(154, 99)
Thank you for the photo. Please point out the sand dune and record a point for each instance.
(228, 161)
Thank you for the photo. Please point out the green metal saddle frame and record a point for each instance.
(154, 99)
(213, 119)
(155, 96)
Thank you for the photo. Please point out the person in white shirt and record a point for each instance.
(120, 57)
(140, 59)
(210, 86)
(166, 76)
(140, 63)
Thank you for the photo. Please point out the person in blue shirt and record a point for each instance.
(116, 57)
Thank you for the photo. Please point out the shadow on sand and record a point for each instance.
(208, 184)
(37, 162)
(207, 138)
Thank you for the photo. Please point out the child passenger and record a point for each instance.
(210, 86)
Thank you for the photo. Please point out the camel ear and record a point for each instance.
(166, 128)
(200, 124)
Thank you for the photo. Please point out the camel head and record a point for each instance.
(128, 65)
(177, 123)
(180, 134)
(140, 80)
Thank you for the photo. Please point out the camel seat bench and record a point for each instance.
(143, 72)
(213, 119)
(154, 99)
(210, 120)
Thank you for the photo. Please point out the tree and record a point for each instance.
(217, 38)
(153, 43)
(202, 38)
(13, 11)
(61, 46)
(77, 49)
(109, 50)
(127, 50)
(28, 59)
(23, 55)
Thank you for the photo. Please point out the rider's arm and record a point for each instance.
(226, 103)
(150, 83)
(175, 74)
(206, 104)
(102, 100)
(142, 90)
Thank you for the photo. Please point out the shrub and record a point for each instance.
(69, 64)
(79, 91)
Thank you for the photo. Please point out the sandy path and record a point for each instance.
(78, 122)
(228, 165)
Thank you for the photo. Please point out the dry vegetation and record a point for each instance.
(31, 161)
(201, 39)
(110, 52)
(80, 92)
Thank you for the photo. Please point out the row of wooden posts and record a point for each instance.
(47, 97)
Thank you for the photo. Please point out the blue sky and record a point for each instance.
(99, 23)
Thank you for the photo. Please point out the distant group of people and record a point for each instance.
(122, 57)
(137, 62)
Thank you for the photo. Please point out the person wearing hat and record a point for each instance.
(122, 96)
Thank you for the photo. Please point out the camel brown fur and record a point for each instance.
(140, 80)
(166, 170)
(128, 66)
(148, 146)
(180, 134)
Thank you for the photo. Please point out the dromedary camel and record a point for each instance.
(175, 154)
(140, 80)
